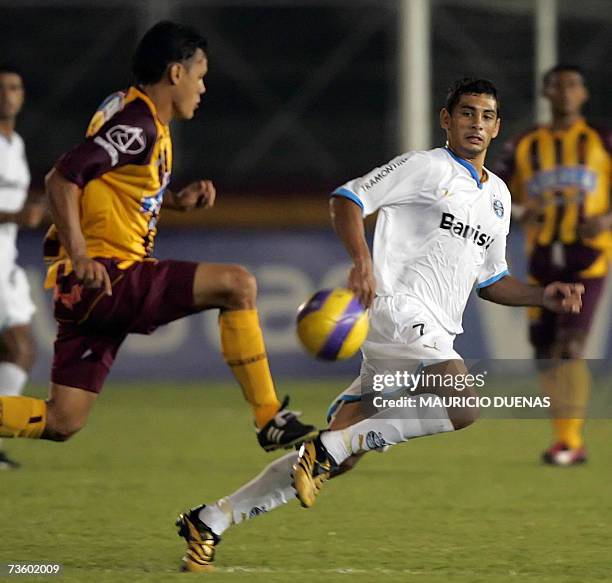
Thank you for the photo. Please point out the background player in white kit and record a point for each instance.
(16, 307)
(441, 230)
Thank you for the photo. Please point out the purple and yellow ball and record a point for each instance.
(332, 324)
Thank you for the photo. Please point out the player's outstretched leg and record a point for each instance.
(319, 458)
(233, 289)
(202, 526)
(56, 419)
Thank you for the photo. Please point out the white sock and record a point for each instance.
(12, 379)
(380, 430)
(270, 489)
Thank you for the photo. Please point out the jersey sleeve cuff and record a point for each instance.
(493, 279)
(64, 169)
(346, 193)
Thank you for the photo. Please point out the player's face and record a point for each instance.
(566, 92)
(472, 124)
(190, 85)
(11, 95)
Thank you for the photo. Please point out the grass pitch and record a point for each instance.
(466, 507)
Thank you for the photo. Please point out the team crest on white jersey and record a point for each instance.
(498, 207)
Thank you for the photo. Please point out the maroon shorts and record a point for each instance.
(92, 325)
(544, 327)
(577, 258)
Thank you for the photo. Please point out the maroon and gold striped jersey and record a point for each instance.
(123, 167)
(565, 175)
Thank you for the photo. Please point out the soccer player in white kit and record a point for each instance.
(16, 307)
(441, 231)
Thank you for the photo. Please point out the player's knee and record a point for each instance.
(241, 288)
(62, 427)
(62, 432)
(462, 417)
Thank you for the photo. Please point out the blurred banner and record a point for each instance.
(289, 266)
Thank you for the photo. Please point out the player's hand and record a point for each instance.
(362, 283)
(200, 194)
(563, 298)
(92, 273)
(592, 226)
(31, 215)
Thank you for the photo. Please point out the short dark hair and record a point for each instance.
(562, 68)
(470, 85)
(10, 68)
(165, 43)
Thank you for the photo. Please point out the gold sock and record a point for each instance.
(22, 417)
(569, 431)
(244, 351)
(568, 386)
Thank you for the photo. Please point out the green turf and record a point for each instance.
(466, 507)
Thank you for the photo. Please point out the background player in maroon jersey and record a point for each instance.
(559, 177)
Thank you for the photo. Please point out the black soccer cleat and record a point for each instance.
(201, 542)
(6, 463)
(284, 431)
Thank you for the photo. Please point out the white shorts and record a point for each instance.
(403, 336)
(16, 306)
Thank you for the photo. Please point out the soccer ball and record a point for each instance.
(332, 324)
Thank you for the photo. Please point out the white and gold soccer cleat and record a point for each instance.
(201, 542)
(311, 469)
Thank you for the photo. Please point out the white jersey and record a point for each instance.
(14, 184)
(439, 232)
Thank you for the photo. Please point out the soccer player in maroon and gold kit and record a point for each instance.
(105, 197)
(559, 176)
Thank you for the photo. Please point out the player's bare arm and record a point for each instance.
(557, 297)
(348, 224)
(28, 217)
(199, 194)
(64, 199)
